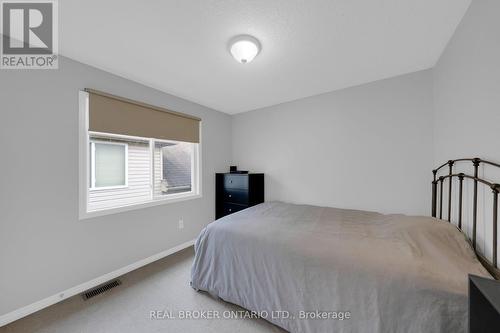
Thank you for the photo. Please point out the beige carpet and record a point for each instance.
(163, 285)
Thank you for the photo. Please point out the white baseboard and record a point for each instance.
(29, 309)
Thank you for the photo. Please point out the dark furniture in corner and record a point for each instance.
(234, 192)
(484, 305)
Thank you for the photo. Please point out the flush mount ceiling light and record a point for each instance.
(244, 48)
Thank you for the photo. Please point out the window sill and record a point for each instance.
(116, 210)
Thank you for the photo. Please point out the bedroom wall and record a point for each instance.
(44, 248)
(467, 87)
(467, 102)
(367, 147)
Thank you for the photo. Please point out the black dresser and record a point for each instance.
(484, 305)
(234, 192)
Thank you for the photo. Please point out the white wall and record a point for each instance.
(467, 87)
(367, 147)
(44, 248)
(467, 101)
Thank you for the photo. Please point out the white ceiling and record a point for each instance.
(308, 46)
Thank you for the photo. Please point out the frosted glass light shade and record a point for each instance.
(244, 48)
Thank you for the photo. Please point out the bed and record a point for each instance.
(322, 269)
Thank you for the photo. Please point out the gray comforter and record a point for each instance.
(390, 273)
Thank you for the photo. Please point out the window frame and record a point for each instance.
(92, 186)
(84, 172)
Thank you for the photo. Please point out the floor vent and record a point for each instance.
(100, 289)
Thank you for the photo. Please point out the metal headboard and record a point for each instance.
(491, 266)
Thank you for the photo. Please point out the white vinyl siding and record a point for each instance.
(158, 172)
(138, 188)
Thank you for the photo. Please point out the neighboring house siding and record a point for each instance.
(138, 182)
(157, 172)
(138, 188)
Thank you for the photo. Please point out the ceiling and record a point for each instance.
(308, 46)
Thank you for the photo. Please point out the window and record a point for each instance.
(173, 162)
(108, 165)
(124, 172)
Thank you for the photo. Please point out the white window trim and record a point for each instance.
(93, 188)
(84, 179)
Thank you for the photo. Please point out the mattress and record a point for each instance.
(321, 269)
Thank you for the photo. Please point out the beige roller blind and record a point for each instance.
(117, 115)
